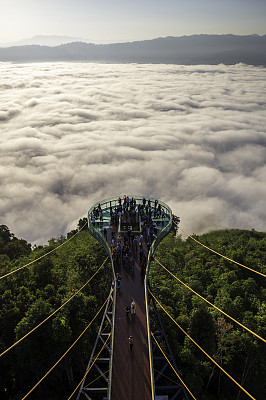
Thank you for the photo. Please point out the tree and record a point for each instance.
(83, 223)
(202, 330)
(5, 234)
(17, 248)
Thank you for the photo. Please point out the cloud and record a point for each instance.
(75, 133)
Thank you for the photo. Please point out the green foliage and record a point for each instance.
(12, 246)
(235, 290)
(33, 293)
(30, 295)
(5, 235)
(202, 330)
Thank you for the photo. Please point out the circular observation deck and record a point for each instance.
(124, 218)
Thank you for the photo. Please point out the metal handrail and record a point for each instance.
(97, 235)
(113, 202)
(164, 232)
(112, 340)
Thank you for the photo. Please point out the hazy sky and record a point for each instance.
(122, 20)
(74, 134)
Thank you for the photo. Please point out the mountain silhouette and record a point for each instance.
(195, 49)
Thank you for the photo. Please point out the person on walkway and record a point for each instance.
(142, 267)
(133, 308)
(101, 215)
(127, 311)
(135, 245)
(118, 279)
(130, 341)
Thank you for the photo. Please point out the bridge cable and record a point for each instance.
(96, 379)
(73, 344)
(226, 373)
(221, 255)
(53, 313)
(165, 376)
(172, 366)
(44, 255)
(207, 301)
(90, 367)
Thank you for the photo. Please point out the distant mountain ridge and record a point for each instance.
(195, 49)
(49, 40)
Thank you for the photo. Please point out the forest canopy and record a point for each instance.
(28, 296)
(235, 290)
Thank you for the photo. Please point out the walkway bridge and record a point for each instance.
(130, 228)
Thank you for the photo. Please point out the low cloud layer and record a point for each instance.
(73, 134)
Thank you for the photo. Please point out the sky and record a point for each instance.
(125, 20)
(73, 134)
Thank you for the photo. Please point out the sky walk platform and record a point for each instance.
(131, 370)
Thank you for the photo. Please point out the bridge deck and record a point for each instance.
(131, 375)
(131, 379)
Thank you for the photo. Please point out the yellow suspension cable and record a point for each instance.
(221, 255)
(207, 301)
(96, 379)
(90, 367)
(48, 372)
(107, 326)
(226, 373)
(104, 329)
(165, 376)
(172, 366)
(53, 313)
(44, 255)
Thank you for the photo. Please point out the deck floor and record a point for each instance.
(131, 375)
(131, 378)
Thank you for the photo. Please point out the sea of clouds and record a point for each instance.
(73, 134)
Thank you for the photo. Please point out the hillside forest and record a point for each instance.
(31, 294)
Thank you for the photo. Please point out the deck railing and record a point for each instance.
(163, 233)
(96, 233)
(114, 201)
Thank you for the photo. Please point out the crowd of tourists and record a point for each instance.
(137, 221)
(129, 225)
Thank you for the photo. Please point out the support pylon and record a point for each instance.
(96, 381)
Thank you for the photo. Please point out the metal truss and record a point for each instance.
(167, 383)
(96, 381)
